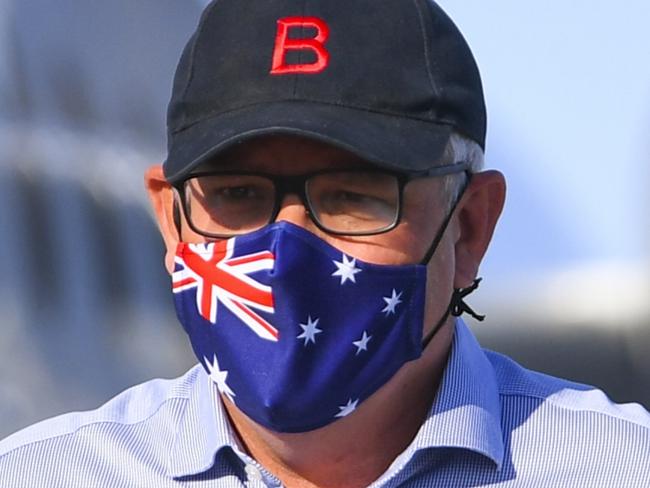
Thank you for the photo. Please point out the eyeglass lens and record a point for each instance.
(354, 202)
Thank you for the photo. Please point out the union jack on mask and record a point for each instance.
(293, 331)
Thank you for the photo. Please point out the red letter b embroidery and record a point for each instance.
(316, 44)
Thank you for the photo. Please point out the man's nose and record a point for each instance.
(293, 210)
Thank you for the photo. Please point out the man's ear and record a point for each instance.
(477, 216)
(161, 196)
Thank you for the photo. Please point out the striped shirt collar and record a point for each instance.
(466, 414)
(204, 431)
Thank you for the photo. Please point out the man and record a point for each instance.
(324, 216)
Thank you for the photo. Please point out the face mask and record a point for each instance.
(293, 331)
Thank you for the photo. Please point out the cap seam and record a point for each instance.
(318, 102)
(427, 52)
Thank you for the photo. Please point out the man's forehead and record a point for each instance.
(284, 152)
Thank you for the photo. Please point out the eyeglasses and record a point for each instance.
(340, 202)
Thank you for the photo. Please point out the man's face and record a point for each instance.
(425, 205)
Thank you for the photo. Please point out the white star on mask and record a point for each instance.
(392, 302)
(346, 410)
(219, 377)
(362, 344)
(346, 269)
(309, 331)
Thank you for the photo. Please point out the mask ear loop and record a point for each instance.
(457, 305)
(443, 228)
(176, 215)
(177, 218)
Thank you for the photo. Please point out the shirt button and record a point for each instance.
(253, 473)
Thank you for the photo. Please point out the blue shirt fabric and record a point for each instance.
(493, 423)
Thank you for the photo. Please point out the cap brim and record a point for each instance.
(392, 142)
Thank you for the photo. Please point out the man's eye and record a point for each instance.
(351, 197)
(237, 192)
(357, 198)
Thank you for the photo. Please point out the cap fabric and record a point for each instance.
(388, 80)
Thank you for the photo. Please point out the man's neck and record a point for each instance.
(355, 450)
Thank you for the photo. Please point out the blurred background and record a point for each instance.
(85, 305)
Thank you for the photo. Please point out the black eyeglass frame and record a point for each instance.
(297, 184)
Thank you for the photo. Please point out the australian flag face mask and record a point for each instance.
(293, 331)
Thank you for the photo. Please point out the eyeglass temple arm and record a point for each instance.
(444, 170)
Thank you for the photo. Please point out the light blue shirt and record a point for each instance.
(493, 424)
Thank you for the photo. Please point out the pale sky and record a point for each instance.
(568, 92)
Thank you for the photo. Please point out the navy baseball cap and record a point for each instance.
(388, 80)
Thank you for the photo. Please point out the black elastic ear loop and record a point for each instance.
(177, 218)
(432, 332)
(443, 228)
(457, 305)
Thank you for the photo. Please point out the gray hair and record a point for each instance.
(461, 149)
